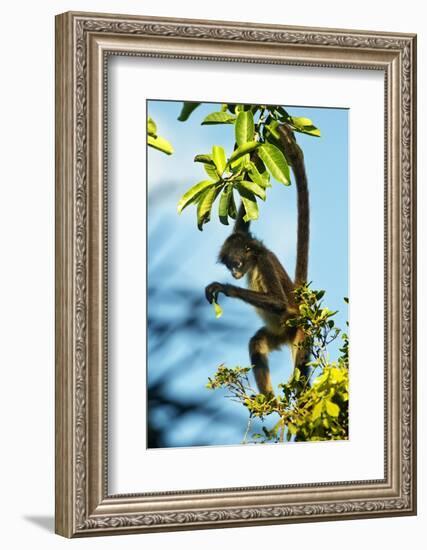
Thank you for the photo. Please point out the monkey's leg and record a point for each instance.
(260, 345)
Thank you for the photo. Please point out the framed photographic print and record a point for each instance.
(235, 274)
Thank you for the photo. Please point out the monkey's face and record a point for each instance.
(236, 267)
(236, 255)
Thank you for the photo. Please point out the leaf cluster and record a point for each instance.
(257, 157)
(321, 412)
(303, 411)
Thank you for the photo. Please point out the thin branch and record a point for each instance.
(247, 428)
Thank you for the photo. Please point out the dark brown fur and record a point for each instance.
(295, 158)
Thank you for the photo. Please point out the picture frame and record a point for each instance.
(84, 506)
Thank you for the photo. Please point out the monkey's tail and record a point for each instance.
(295, 157)
(241, 225)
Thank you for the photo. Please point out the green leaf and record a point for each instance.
(193, 194)
(250, 204)
(321, 379)
(272, 128)
(256, 176)
(301, 121)
(160, 144)
(219, 158)
(251, 209)
(292, 428)
(217, 309)
(219, 117)
(275, 162)
(319, 294)
(243, 150)
(211, 171)
(232, 210)
(245, 127)
(262, 170)
(208, 165)
(332, 408)
(205, 159)
(238, 164)
(187, 108)
(336, 375)
(261, 179)
(151, 127)
(204, 206)
(310, 130)
(255, 188)
(224, 204)
(305, 126)
(317, 411)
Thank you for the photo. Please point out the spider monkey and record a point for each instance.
(270, 287)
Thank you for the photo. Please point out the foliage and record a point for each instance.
(302, 411)
(155, 141)
(257, 156)
(217, 309)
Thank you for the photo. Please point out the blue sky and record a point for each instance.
(182, 257)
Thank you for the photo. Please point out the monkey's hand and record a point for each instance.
(212, 291)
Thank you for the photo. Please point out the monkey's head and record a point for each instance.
(238, 253)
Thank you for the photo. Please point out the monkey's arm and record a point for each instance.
(261, 300)
(273, 299)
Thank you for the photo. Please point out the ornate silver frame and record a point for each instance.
(83, 505)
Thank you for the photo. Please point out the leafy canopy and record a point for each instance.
(247, 170)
